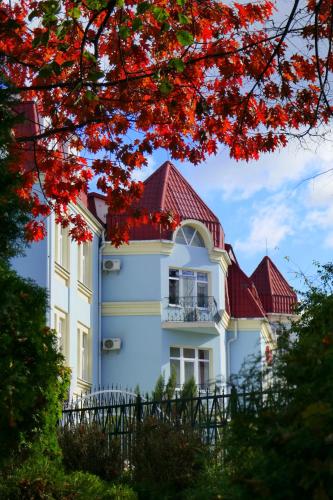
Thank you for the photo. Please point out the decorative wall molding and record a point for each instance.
(152, 247)
(225, 319)
(221, 257)
(88, 216)
(62, 272)
(85, 291)
(143, 308)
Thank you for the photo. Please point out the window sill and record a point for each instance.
(85, 291)
(62, 272)
(83, 384)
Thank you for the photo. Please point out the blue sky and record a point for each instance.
(269, 202)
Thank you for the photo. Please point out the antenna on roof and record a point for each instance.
(266, 248)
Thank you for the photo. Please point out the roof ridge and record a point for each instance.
(165, 183)
(198, 198)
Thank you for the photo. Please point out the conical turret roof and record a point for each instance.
(275, 293)
(243, 296)
(167, 190)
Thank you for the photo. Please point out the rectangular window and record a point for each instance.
(189, 286)
(61, 327)
(84, 264)
(188, 363)
(83, 343)
(61, 246)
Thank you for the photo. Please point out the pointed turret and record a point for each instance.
(167, 190)
(275, 293)
(243, 296)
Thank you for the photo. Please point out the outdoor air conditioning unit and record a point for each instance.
(111, 344)
(111, 265)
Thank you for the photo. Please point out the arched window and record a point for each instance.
(188, 235)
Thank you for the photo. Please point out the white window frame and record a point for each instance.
(180, 279)
(61, 327)
(187, 242)
(61, 246)
(194, 360)
(84, 264)
(83, 353)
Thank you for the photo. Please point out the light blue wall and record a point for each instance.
(145, 345)
(140, 358)
(246, 348)
(34, 263)
(38, 264)
(138, 279)
(78, 309)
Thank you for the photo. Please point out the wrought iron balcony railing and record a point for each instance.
(191, 309)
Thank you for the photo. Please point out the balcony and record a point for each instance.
(191, 313)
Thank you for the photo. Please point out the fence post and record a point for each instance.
(138, 409)
(233, 402)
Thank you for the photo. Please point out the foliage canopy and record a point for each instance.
(119, 79)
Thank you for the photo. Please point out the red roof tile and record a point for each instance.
(97, 206)
(243, 296)
(166, 189)
(275, 293)
(29, 127)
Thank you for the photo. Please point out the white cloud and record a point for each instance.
(242, 180)
(319, 206)
(272, 222)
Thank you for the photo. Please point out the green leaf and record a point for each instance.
(143, 7)
(68, 64)
(183, 19)
(89, 56)
(181, 2)
(56, 68)
(160, 14)
(124, 32)
(184, 37)
(75, 13)
(165, 87)
(91, 96)
(137, 24)
(95, 75)
(165, 27)
(177, 64)
(96, 4)
(120, 3)
(46, 71)
(32, 15)
(41, 39)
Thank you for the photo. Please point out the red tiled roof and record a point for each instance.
(29, 127)
(97, 202)
(166, 189)
(275, 293)
(243, 296)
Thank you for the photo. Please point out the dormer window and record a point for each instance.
(188, 235)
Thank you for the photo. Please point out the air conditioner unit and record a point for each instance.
(111, 265)
(111, 344)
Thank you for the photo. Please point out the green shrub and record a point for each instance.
(87, 448)
(32, 377)
(40, 479)
(283, 450)
(166, 459)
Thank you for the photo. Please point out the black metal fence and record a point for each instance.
(120, 414)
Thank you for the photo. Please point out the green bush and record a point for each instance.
(166, 459)
(284, 449)
(32, 377)
(40, 479)
(87, 448)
